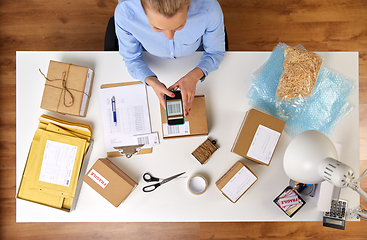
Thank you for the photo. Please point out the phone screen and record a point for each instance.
(174, 109)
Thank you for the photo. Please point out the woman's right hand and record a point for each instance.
(159, 88)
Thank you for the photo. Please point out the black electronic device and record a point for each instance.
(174, 109)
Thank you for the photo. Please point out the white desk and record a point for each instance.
(225, 91)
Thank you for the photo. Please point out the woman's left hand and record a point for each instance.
(187, 85)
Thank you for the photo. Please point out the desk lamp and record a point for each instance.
(311, 158)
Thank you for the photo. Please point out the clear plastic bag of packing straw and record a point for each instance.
(321, 110)
(297, 82)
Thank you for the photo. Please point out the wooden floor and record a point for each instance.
(252, 25)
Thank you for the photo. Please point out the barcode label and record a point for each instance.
(148, 140)
(173, 130)
(176, 130)
(143, 140)
(174, 107)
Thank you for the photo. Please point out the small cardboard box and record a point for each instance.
(236, 181)
(67, 89)
(110, 181)
(258, 136)
(195, 124)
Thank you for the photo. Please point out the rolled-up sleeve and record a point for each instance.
(213, 40)
(129, 47)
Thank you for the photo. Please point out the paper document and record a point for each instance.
(132, 115)
(58, 163)
(263, 144)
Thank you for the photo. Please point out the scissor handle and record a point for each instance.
(149, 178)
(151, 188)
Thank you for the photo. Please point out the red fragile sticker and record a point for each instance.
(98, 178)
(289, 200)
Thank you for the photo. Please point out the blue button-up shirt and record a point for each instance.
(204, 27)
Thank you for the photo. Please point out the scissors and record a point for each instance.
(149, 178)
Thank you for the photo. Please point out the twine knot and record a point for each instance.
(64, 87)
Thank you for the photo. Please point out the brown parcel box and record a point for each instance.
(253, 119)
(241, 178)
(197, 119)
(67, 89)
(110, 181)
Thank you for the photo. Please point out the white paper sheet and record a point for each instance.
(263, 144)
(58, 163)
(132, 115)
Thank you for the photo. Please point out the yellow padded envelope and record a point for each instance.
(71, 126)
(48, 178)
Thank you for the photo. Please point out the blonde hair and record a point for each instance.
(167, 8)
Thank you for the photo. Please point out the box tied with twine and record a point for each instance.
(67, 88)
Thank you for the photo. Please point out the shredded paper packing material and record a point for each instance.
(327, 104)
(300, 72)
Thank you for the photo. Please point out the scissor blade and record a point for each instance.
(171, 178)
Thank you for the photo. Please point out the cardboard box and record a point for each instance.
(110, 181)
(258, 136)
(67, 89)
(236, 181)
(195, 124)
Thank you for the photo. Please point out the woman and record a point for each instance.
(170, 29)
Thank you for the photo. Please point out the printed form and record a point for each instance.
(58, 163)
(132, 123)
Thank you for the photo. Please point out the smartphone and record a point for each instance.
(174, 109)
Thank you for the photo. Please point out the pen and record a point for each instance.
(113, 102)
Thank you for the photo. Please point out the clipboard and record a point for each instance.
(117, 153)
